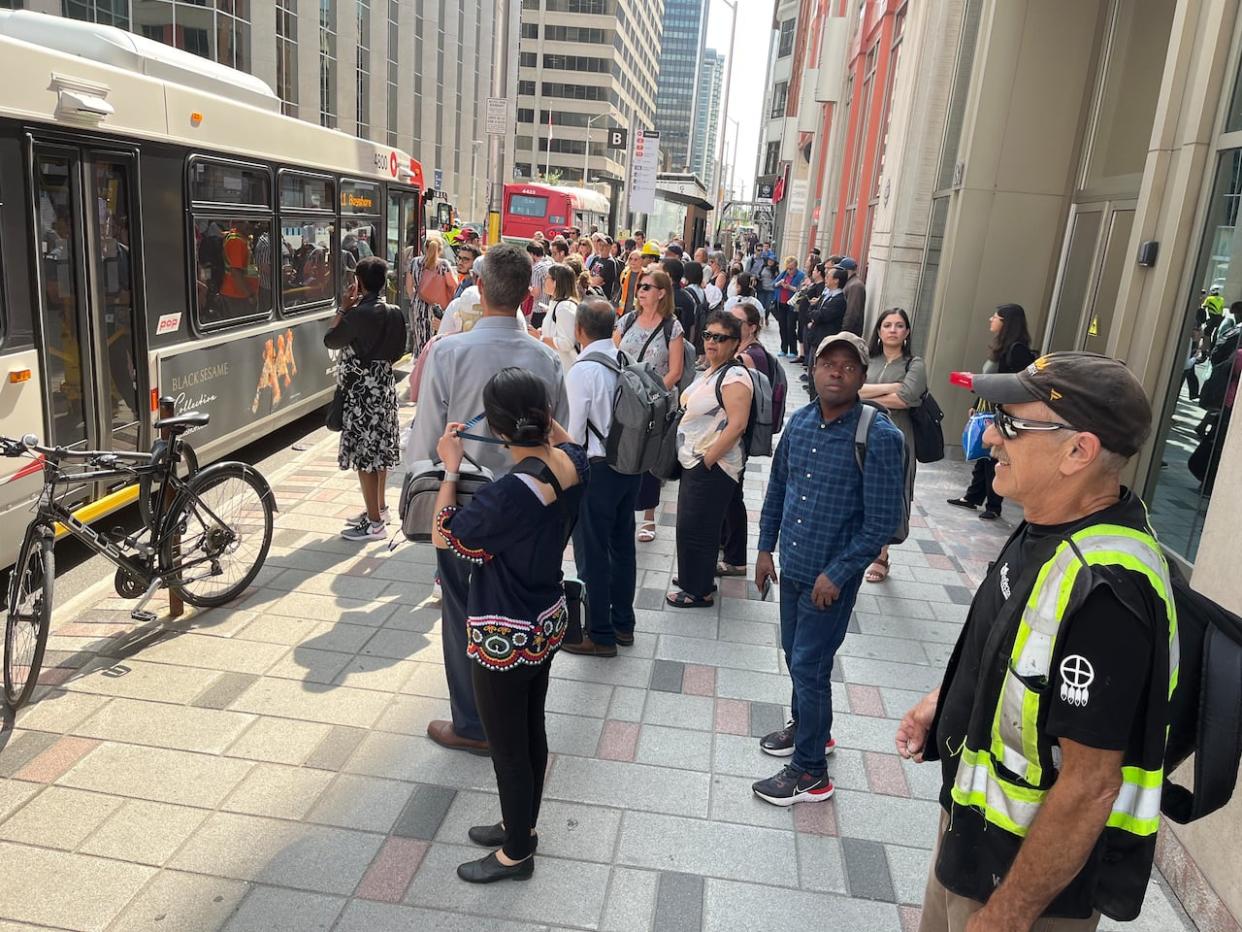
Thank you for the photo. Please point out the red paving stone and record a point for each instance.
(53, 762)
(732, 716)
(910, 917)
(618, 741)
(815, 818)
(698, 680)
(884, 774)
(865, 700)
(390, 873)
(55, 676)
(734, 588)
(92, 629)
(916, 521)
(940, 561)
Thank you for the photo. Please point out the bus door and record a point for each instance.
(88, 318)
(403, 238)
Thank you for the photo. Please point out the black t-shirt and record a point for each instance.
(687, 309)
(1105, 642)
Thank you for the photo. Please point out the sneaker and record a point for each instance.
(781, 743)
(791, 786)
(362, 516)
(365, 530)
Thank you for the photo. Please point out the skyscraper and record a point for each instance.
(681, 55)
(707, 118)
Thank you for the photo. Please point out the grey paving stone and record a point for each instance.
(923, 779)
(872, 647)
(631, 901)
(157, 774)
(674, 747)
(569, 893)
(426, 809)
(751, 610)
(627, 704)
(616, 671)
(100, 887)
(679, 902)
(820, 866)
(224, 690)
(756, 687)
(679, 711)
(410, 715)
(666, 676)
(930, 546)
(22, 748)
(278, 791)
(279, 740)
(915, 629)
(575, 698)
(185, 902)
(267, 909)
(749, 632)
(888, 673)
(573, 734)
(419, 760)
(365, 916)
(908, 867)
(336, 748)
(364, 803)
(628, 786)
(59, 818)
(718, 849)
(960, 595)
(718, 653)
(566, 830)
(746, 907)
(766, 717)
(890, 819)
(866, 868)
(864, 732)
(144, 832)
(653, 600)
(734, 801)
(694, 624)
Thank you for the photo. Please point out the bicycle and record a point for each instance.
(205, 536)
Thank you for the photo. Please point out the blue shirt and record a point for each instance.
(830, 517)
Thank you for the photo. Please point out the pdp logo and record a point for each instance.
(1076, 675)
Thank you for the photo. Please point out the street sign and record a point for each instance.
(438, 183)
(497, 116)
(618, 137)
(763, 190)
(644, 167)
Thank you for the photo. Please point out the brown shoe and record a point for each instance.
(441, 732)
(589, 648)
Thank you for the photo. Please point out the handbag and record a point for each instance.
(928, 434)
(973, 447)
(667, 466)
(421, 487)
(436, 287)
(335, 421)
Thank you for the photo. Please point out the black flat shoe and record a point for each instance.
(493, 836)
(489, 870)
(961, 503)
(989, 515)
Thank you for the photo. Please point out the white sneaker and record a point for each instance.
(362, 516)
(365, 530)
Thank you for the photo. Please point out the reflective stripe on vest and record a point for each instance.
(1015, 733)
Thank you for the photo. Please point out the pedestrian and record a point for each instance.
(1061, 674)
(896, 380)
(452, 392)
(424, 315)
(684, 303)
(701, 256)
(855, 297)
(535, 306)
(767, 287)
(585, 250)
(603, 267)
(651, 334)
(370, 443)
(808, 297)
(786, 284)
(709, 448)
(828, 315)
(604, 549)
(630, 278)
(558, 330)
(640, 239)
(1009, 352)
(466, 255)
(511, 534)
(831, 519)
(558, 249)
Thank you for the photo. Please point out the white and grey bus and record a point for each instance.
(164, 230)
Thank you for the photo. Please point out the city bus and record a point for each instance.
(547, 209)
(165, 231)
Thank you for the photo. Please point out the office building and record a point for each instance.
(585, 65)
(707, 119)
(413, 74)
(677, 92)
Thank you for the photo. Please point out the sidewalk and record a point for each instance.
(265, 766)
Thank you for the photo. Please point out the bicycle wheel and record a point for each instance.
(29, 616)
(218, 534)
(149, 491)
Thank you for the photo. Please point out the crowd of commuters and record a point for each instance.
(522, 378)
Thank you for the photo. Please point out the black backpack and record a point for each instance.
(862, 435)
(1205, 713)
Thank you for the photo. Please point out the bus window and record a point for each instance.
(360, 234)
(225, 183)
(307, 241)
(525, 205)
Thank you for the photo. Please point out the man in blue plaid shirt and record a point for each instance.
(832, 518)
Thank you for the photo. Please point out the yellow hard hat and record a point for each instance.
(650, 249)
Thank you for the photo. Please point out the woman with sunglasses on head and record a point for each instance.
(896, 380)
(561, 289)
(709, 448)
(652, 333)
(514, 531)
(1010, 351)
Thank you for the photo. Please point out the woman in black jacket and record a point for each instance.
(1010, 352)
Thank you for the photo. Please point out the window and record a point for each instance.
(307, 238)
(226, 183)
(287, 56)
(528, 60)
(394, 44)
(772, 158)
(359, 223)
(530, 30)
(780, 96)
(787, 38)
(327, 63)
(105, 12)
(362, 97)
(526, 205)
(526, 87)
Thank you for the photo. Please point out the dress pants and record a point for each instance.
(511, 703)
(979, 492)
(787, 320)
(733, 541)
(648, 492)
(701, 501)
(604, 552)
(454, 584)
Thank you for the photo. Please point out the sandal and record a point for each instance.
(728, 569)
(681, 599)
(875, 575)
(647, 532)
(962, 503)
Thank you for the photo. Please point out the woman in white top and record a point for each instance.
(558, 329)
(709, 448)
(745, 285)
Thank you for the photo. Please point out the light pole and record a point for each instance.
(724, 109)
(474, 178)
(500, 76)
(586, 157)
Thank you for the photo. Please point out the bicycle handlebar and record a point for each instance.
(29, 443)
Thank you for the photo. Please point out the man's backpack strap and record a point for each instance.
(612, 365)
(861, 433)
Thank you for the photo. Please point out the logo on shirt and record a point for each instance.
(1076, 675)
(1004, 580)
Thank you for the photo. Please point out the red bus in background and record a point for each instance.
(547, 209)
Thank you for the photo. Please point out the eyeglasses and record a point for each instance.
(1010, 427)
(646, 286)
(713, 336)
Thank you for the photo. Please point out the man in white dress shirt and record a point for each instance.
(604, 537)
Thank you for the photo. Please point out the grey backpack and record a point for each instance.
(690, 357)
(861, 434)
(757, 440)
(642, 412)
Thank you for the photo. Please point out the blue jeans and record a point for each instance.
(810, 637)
(604, 552)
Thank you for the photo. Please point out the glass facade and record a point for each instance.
(677, 90)
(362, 97)
(105, 12)
(287, 56)
(327, 63)
(707, 116)
(394, 36)
(219, 30)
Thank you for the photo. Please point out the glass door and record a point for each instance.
(1096, 245)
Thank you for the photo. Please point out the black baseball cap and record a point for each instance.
(1093, 393)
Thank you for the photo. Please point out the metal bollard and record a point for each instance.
(176, 608)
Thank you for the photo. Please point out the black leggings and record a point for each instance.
(733, 540)
(702, 499)
(511, 706)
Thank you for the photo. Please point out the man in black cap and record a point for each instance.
(855, 298)
(1050, 721)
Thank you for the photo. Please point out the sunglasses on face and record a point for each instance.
(646, 286)
(1010, 427)
(714, 336)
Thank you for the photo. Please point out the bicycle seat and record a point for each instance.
(179, 423)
